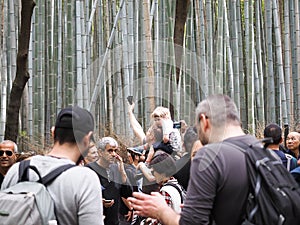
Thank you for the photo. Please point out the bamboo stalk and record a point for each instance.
(279, 62)
(297, 35)
(3, 68)
(229, 54)
(259, 88)
(105, 57)
(270, 72)
(235, 52)
(287, 61)
(219, 83)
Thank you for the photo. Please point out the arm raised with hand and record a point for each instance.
(135, 125)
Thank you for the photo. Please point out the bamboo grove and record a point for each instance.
(95, 53)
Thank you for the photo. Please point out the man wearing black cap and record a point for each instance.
(76, 192)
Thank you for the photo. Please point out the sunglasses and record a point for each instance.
(7, 152)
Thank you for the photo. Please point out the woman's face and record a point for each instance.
(92, 154)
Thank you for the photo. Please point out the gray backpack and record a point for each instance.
(29, 202)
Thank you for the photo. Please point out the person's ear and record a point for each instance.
(52, 131)
(205, 122)
(281, 140)
(87, 139)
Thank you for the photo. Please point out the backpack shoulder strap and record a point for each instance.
(47, 179)
(24, 171)
(177, 188)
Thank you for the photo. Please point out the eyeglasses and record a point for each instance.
(111, 150)
(7, 152)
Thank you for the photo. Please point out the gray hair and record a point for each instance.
(105, 141)
(220, 109)
(11, 142)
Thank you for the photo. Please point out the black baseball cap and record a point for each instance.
(76, 118)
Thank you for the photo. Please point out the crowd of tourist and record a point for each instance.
(146, 184)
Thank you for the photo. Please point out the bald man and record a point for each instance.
(292, 143)
(8, 150)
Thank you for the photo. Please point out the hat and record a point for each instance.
(166, 147)
(163, 163)
(139, 150)
(76, 118)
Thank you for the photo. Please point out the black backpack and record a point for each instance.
(274, 197)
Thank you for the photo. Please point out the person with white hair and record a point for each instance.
(113, 178)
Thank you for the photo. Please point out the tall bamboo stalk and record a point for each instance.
(235, 52)
(279, 61)
(243, 108)
(79, 56)
(287, 61)
(12, 63)
(210, 46)
(219, 83)
(270, 78)
(293, 56)
(230, 88)
(259, 88)
(3, 68)
(105, 57)
(297, 35)
(149, 54)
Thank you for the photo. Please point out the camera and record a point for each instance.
(177, 125)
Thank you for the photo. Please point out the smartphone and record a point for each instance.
(177, 125)
(130, 99)
(107, 200)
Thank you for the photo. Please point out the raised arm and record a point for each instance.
(135, 125)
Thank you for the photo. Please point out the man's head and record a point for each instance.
(154, 134)
(107, 149)
(135, 153)
(213, 116)
(163, 165)
(275, 132)
(293, 141)
(8, 150)
(74, 125)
